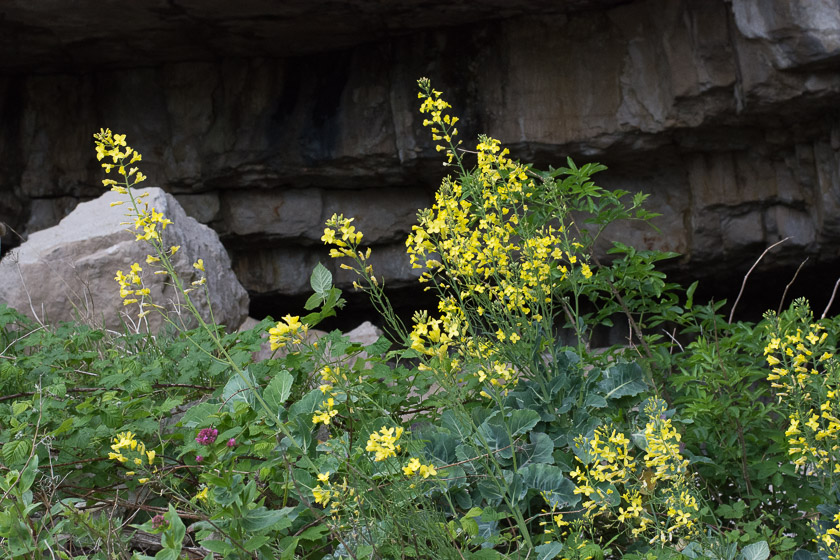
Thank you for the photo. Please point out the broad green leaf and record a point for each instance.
(239, 389)
(19, 407)
(321, 279)
(493, 437)
(549, 479)
(15, 452)
(314, 301)
(595, 401)
(173, 537)
(198, 415)
(484, 554)
(262, 518)
(219, 547)
(756, 551)
(65, 426)
(549, 551)
(441, 446)
(27, 477)
(278, 390)
(522, 421)
(803, 554)
(539, 450)
(622, 380)
(255, 542)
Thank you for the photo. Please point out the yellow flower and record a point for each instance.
(383, 443)
(199, 265)
(202, 494)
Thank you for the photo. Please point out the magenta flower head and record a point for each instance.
(158, 522)
(207, 436)
(199, 458)
(231, 442)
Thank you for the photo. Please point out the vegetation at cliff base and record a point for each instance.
(487, 427)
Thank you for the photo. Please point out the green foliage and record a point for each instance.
(487, 428)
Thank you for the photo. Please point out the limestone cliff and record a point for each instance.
(263, 118)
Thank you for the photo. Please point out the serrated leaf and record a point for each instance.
(15, 452)
(321, 279)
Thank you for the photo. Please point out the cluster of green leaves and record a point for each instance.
(408, 447)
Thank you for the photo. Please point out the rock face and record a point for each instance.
(68, 270)
(264, 118)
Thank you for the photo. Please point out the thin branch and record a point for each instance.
(747, 275)
(830, 301)
(792, 280)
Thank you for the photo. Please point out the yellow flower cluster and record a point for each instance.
(663, 457)
(131, 285)
(289, 330)
(341, 233)
(442, 125)
(794, 358)
(830, 539)
(326, 493)
(414, 466)
(646, 504)
(488, 249)
(805, 373)
(114, 146)
(384, 443)
(127, 450)
(326, 413)
(148, 223)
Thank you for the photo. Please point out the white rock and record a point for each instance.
(67, 271)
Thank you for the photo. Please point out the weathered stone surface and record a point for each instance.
(69, 269)
(38, 34)
(264, 119)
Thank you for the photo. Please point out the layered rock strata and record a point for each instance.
(725, 111)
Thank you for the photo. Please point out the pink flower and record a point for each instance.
(207, 436)
(199, 458)
(158, 522)
(231, 442)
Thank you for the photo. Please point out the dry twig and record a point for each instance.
(747, 275)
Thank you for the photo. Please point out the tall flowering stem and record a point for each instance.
(148, 225)
(805, 374)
